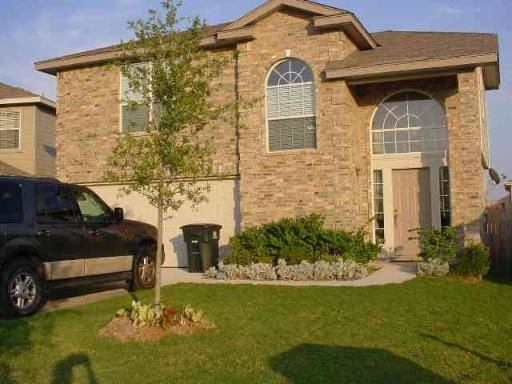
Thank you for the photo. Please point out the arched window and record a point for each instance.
(409, 122)
(291, 106)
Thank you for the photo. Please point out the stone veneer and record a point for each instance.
(88, 112)
(333, 179)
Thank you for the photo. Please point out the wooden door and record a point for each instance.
(412, 209)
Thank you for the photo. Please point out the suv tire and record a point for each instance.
(144, 269)
(21, 289)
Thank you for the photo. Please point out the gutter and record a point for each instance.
(29, 100)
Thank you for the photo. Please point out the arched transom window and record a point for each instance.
(408, 122)
(291, 106)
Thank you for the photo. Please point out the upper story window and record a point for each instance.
(10, 125)
(291, 106)
(409, 122)
(133, 119)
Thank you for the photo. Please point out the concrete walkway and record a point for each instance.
(388, 273)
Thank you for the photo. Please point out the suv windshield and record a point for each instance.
(11, 202)
(92, 208)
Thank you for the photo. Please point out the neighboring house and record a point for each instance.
(27, 133)
(347, 123)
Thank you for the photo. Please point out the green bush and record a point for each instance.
(472, 261)
(438, 244)
(297, 239)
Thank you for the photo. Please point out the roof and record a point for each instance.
(400, 47)
(8, 91)
(208, 31)
(230, 33)
(10, 95)
(382, 54)
(6, 169)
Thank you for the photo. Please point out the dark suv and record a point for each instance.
(57, 235)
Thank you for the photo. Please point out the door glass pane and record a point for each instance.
(11, 202)
(54, 204)
(92, 208)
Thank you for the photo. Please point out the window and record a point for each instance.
(54, 204)
(10, 124)
(291, 106)
(134, 119)
(92, 208)
(409, 122)
(444, 193)
(378, 206)
(11, 202)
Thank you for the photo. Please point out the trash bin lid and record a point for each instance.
(202, 226)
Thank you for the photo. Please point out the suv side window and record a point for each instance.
(11, 202)
(93, 209)
(54, 204)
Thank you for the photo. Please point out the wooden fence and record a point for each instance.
(499, 231)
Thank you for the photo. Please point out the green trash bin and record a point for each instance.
(202, 245)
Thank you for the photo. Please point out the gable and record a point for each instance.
(323, 16)
(272, 6)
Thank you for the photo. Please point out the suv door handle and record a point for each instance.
(94, 232)
(44, 232)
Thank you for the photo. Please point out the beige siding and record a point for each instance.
(222, 208)
(45, 142)
(23, 158)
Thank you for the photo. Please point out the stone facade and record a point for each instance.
(468, 191)
(333, 179)
(88, 122)
(290, 183)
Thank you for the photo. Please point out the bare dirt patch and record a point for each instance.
(122, 329)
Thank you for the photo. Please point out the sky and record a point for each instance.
(34, 30)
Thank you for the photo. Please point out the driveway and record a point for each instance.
(388, 273)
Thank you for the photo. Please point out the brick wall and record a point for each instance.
(333, 179)
(289, 183)
(465, 158)
(88, 115)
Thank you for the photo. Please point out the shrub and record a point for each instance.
(304, 271)
(438, 244)
(142, 315)
(472, 261)
(298, 239)
(433, 267)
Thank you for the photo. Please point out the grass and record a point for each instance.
(423, 331)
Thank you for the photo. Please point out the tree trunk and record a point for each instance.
(158, 270)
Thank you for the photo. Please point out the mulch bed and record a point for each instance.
(122, 329)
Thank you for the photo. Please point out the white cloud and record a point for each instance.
(445, 8)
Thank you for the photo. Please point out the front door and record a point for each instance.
(412, 209)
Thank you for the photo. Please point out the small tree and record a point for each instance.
(174, 84)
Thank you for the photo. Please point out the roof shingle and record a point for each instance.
(8, 92)
(403, 47)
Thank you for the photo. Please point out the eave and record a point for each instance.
(40, 100)
(351, 25)
(402, 70)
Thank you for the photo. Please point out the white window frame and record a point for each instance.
(123, 103)
(303, 116)
(410, 129)
(18, 110)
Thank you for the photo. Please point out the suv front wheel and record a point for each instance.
(21, 289)
(144, 269)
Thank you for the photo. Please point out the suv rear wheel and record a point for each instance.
(21, 289)
(144, 269)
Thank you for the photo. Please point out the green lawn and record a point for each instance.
(423, 331)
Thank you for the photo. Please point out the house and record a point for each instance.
(385, 130)
(27, 133)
